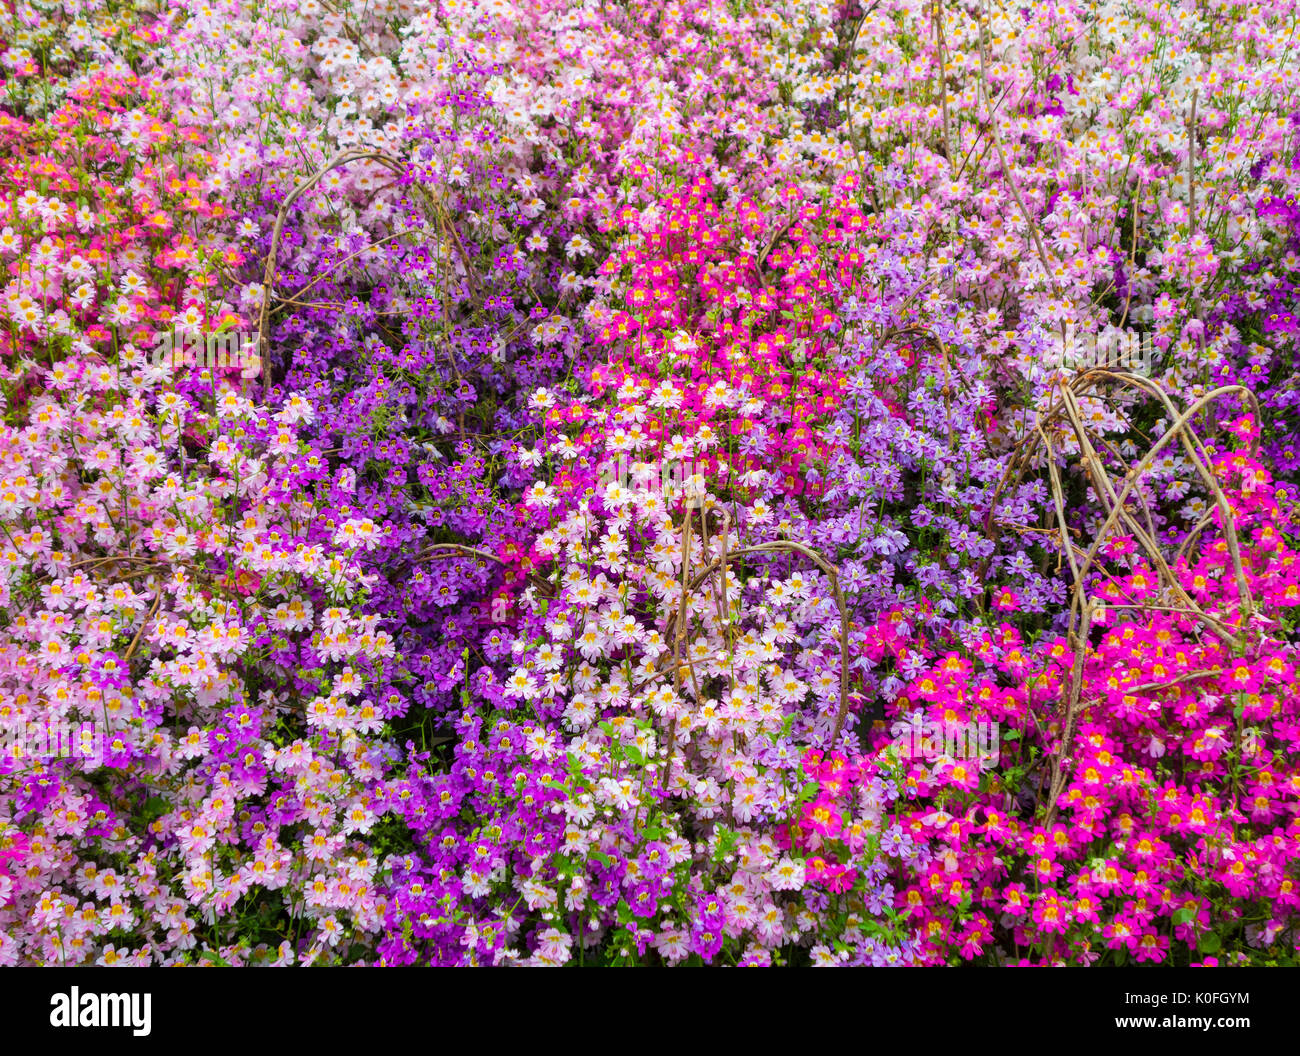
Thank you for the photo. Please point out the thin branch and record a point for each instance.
(1010, 177)
(678, 638)
(831, 573)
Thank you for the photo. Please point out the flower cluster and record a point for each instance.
(1143, 806)
(616, 423)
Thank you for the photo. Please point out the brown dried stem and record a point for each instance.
(1074, 707)
(1034, 235)
(1118, 511)
(831, 573)
(1193, 449)
(445, 228)
(548, 588)
(678, 635)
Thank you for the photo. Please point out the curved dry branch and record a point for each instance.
(547, 586)
(445, 227)
(1180, 428)
(1199, 457)
(1118, 510)
(1074, 706)
(832, 573)
(982, 82)
(1058, 497)
(268, 273)
(678, 639)
(1115, 504)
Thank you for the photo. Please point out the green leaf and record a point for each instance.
(1209, 942)
(155, 808)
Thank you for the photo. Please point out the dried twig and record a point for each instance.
(268, 275)
(1197, 455)
(445, 227)
(548, 588)
(1081, 645)
(1037, 239)
(130, 649)
(936, 19)
(832, 574)
(1193, 449)
(324, 274)
(1117, 511)
(678, 636)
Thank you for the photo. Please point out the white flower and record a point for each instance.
(683, 342)
(577, 246)
(666, 395)
(616, 496)
(520, 684)
(541, 495)
(786, 875)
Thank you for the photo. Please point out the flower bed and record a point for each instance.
(648, 484)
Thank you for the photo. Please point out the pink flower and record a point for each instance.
(1050, 913)
(1007, 600)
(824, 817)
